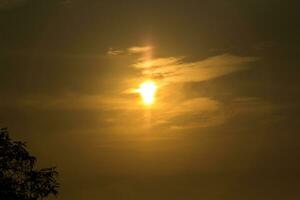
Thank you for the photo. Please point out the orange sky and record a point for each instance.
(224, 121)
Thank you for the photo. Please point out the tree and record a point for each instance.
(19, 180)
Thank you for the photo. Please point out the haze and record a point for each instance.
(216, 119)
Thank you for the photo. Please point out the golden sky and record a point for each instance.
(155, 99)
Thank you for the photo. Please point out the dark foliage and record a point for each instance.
(19, 180)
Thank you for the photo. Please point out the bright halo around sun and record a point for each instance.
(147, 91)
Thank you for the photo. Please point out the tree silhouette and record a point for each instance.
(19, 180)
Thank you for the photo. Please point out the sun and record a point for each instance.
(147, 91)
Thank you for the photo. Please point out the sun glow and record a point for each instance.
(147, 91)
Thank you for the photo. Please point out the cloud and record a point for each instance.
(156, 63)
(174, 69)
(73, 101)
(190, 113)
(195, 105)
(206, 112)
(129, 51)
(114, 52)
(173, 112)
(175, 108)
(139, 49)
(251, 105)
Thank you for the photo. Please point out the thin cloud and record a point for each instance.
(207, 112)
(175, 107)
(131, 50)
(139, 49)
(172, 108)
(174, 69)
(114, 52)
(156, 63)
(174, 114)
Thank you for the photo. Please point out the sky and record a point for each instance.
(224, 123)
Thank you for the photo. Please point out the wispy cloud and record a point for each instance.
(174, 106)
(114, 52)
(175, 69)
(139, 49)
(129, 51)
(186, 113)
(145, 64)
(173, 112)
